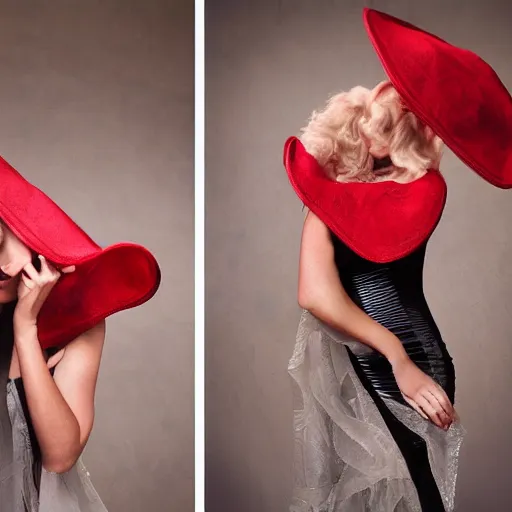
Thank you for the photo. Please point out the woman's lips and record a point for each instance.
(5, 283)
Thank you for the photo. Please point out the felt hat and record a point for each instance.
(106, 280)
(452, 90)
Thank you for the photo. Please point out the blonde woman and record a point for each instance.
(377, 429)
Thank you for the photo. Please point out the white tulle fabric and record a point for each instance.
(68, 492)
(346, 459)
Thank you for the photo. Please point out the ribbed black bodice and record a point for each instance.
(392, 294)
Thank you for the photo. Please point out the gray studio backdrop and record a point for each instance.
(96, 103)
(269, 63)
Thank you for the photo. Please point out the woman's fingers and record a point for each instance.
(416, 407)
(443, 401)
(31, 272)
(45, 266)
(47, 274)
(48, 267)
(431, 409)
(434, 402)
(28, 282)
(48, 271)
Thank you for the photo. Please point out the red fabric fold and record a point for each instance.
(381, 221)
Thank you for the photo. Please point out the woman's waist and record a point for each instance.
(421, 339)
(437, 364)
(412, 323)
(409, 320)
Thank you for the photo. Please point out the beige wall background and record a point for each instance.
(269, 64)
(96, 103)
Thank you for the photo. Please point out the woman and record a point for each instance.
(56, 289)
(377, 429)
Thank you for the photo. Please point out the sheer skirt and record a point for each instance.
(68, 492)
(346, 458)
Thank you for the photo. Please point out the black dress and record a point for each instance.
(392, 294)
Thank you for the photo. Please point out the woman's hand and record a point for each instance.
(33, 290)
(422, 393)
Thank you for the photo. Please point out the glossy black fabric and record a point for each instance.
(392, 294)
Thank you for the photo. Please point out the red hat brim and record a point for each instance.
(450, 89)
(105, 281)
(382, 221)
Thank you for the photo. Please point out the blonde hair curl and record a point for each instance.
(357, 126)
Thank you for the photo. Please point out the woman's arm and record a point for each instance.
(321, 293)
(61, 408)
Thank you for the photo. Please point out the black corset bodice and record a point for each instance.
(392, 294)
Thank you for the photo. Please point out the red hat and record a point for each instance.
(381, 221)
(105, 281)
(451, 90)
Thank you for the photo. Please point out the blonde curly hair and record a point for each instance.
(357, 127)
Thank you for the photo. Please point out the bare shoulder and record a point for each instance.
(313, 224)
(92, 339)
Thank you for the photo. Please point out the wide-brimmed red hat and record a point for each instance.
(106, 280)
(450, 89)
